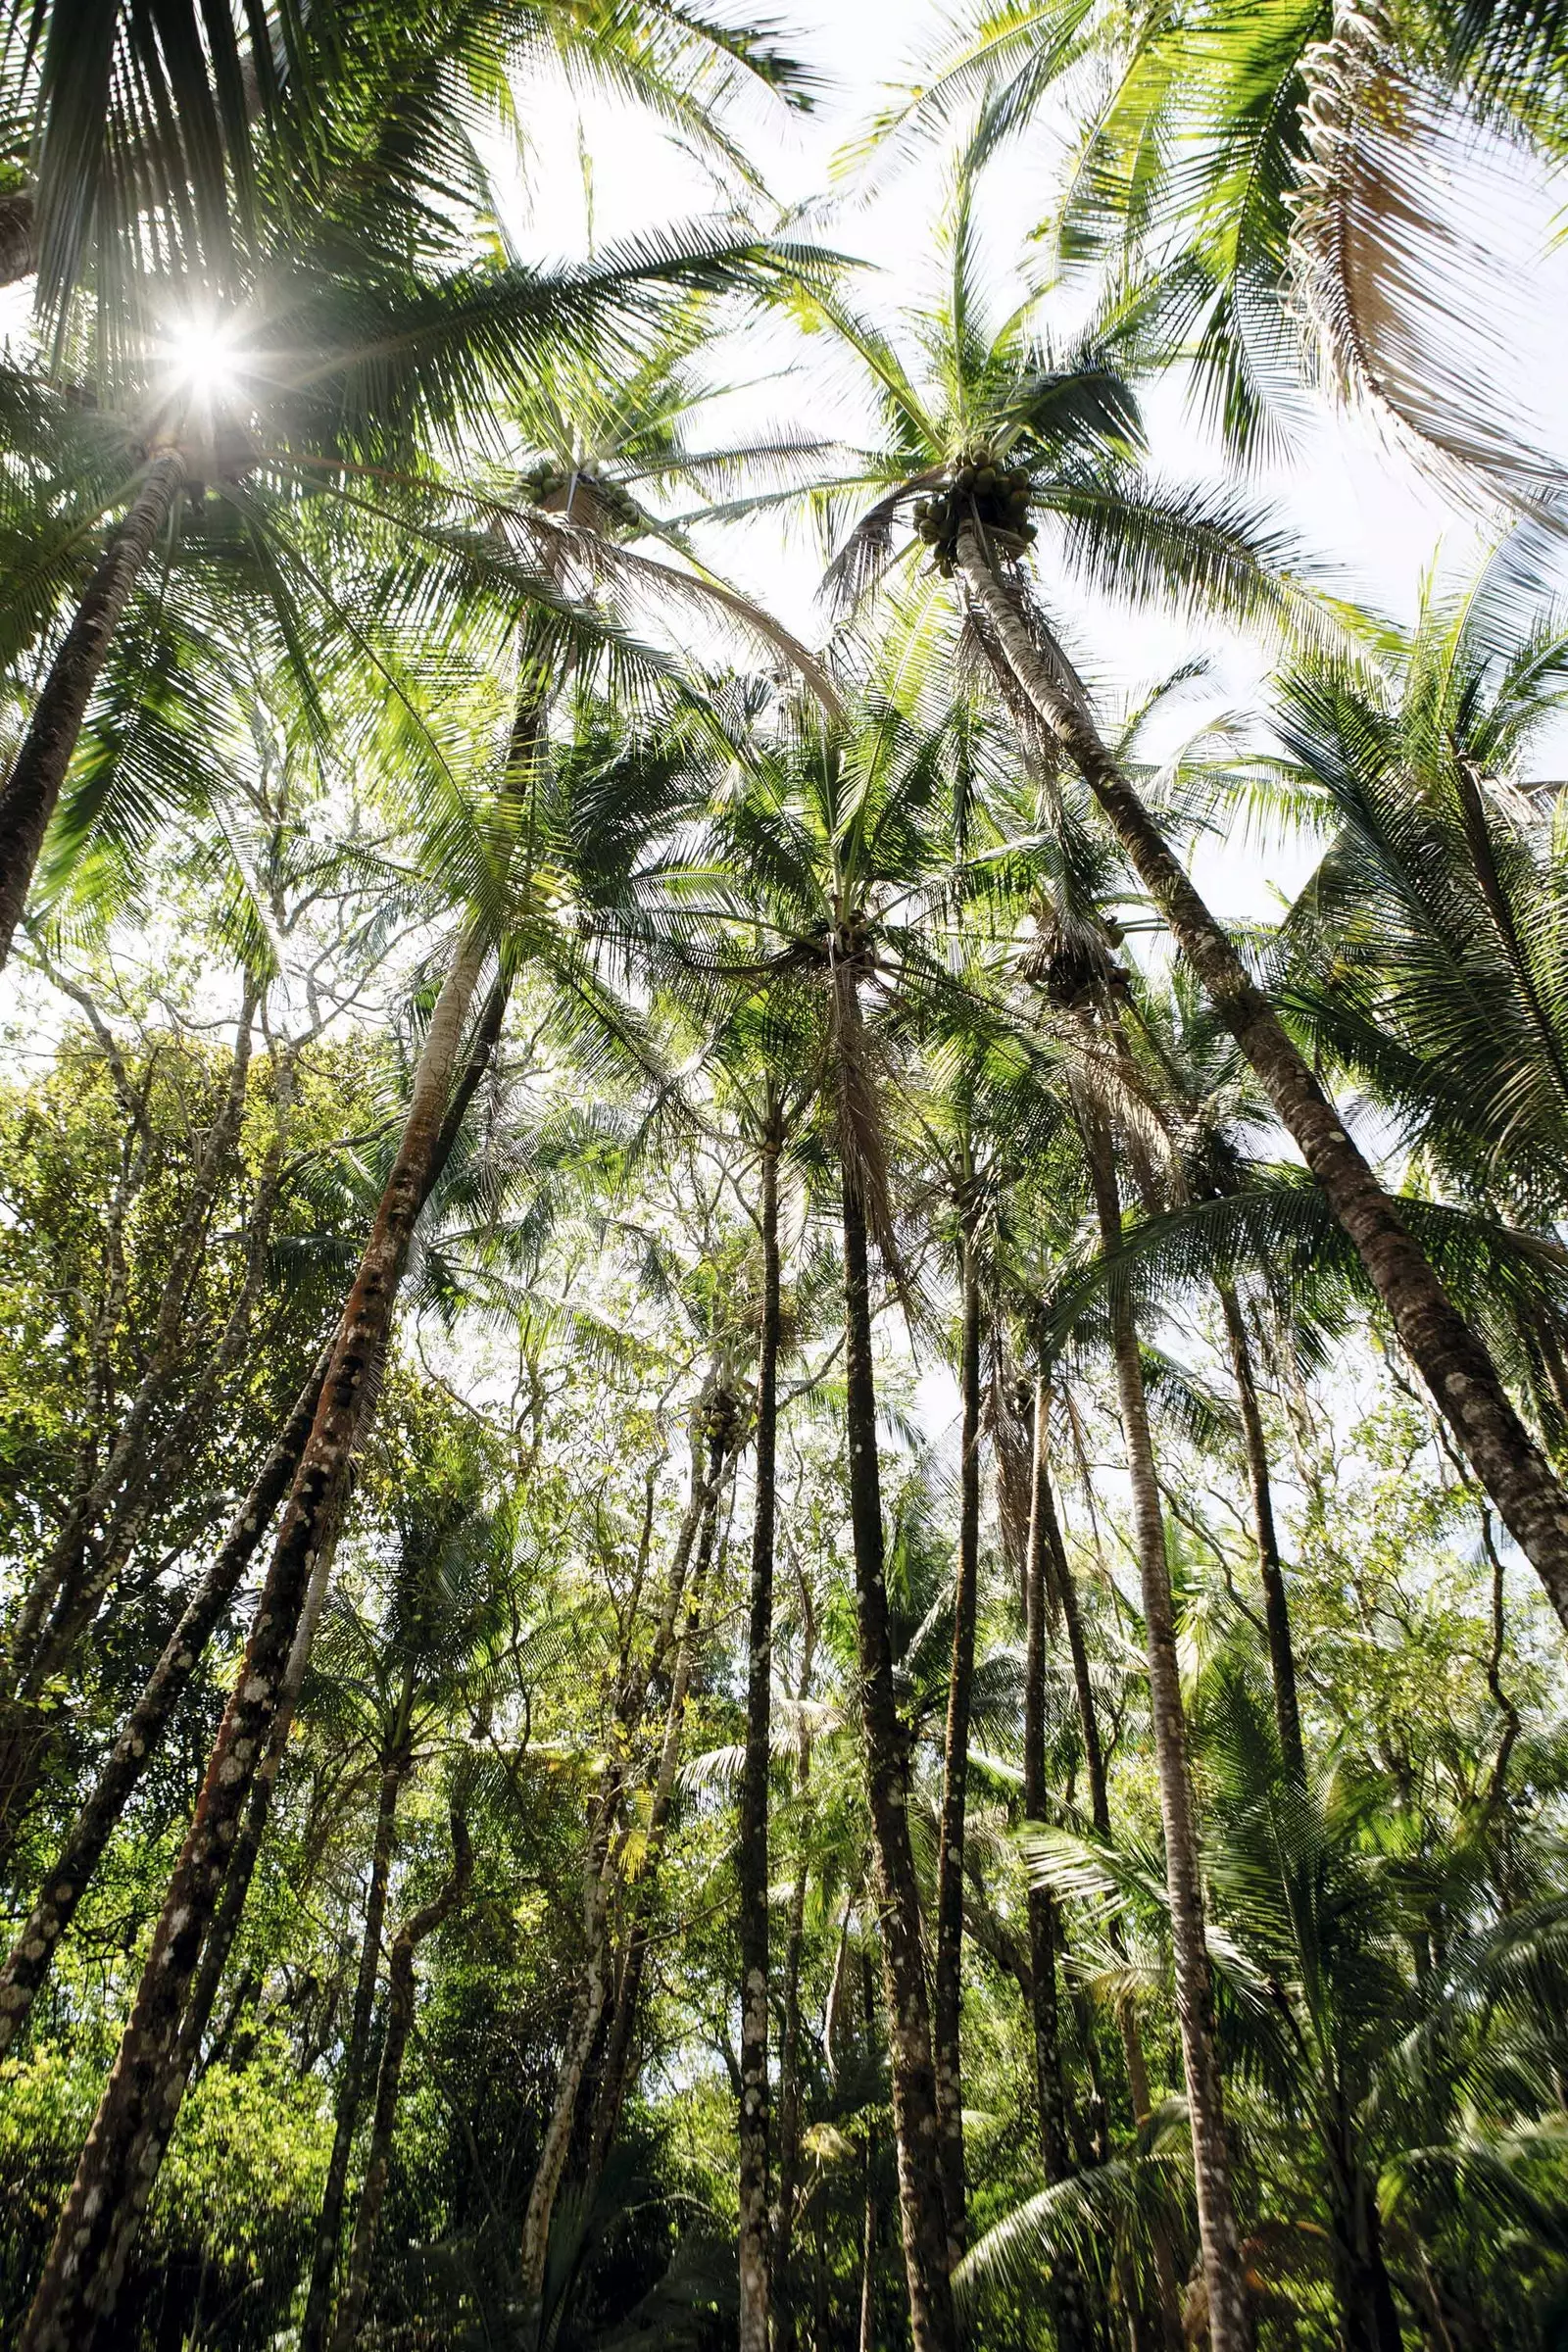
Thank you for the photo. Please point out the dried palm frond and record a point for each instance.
(1377, 265)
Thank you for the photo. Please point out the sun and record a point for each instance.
(200, 355)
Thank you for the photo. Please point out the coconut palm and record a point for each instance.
(1287, 174)
(833, 842)
(955, 458)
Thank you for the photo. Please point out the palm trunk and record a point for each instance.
(922, 2210)
(1276, 1607)
(1229, 2318)
(751, 1858)
(389, 2081)
(32, 791)
(66, 1881)
(17, 258)
(948, 1984)
(782, 2315)
(1452, 1361)
(1069, 2300)
(1369, 2315)
(120, 2164)
(329, 2224)
(1044, 1518)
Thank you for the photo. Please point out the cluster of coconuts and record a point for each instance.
(983, 490)
(720, 1419)
(583, 494)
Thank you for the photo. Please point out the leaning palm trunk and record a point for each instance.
(120, 2164)
(1276, 1607)
(948, 1976)
(751, 1855)
(1452, 1361)
(389, 2081)
(1229, 2320)
(351, 2085)
(32, 791)
(66, 1881)
(922, 2204)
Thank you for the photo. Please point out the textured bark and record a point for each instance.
(948, 1976)
(30, 792)
(356, 2051)
(1229, 2317)
(68, 1879)
(1451, 1359)
(1067, 2294)
(1276, 1607)
(76, 2293)
(16, 256)
(922, 2211)
(751, 1850)
(389, 2082)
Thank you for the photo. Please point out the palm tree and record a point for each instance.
(342, 377)
(148, 165)
(832, 848)
(1278, 172)
(956, 463)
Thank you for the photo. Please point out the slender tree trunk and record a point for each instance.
(30, 792)
(947, 1982)
(782, 2311)
(120, 2164)
(1452, 1361)
(1276, 1607)
(1369, 2315)
(1068, 2295)
(867, 2333)
(582, 2033)
(575, 2081)
(1229, 2317)
(1045, 1519)
(351, 2083)
(922, 2210)
(389, 2081)
(66, 1881)
(752, 1851)
(617, 2066)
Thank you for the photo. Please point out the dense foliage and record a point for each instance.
(780, 1565)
